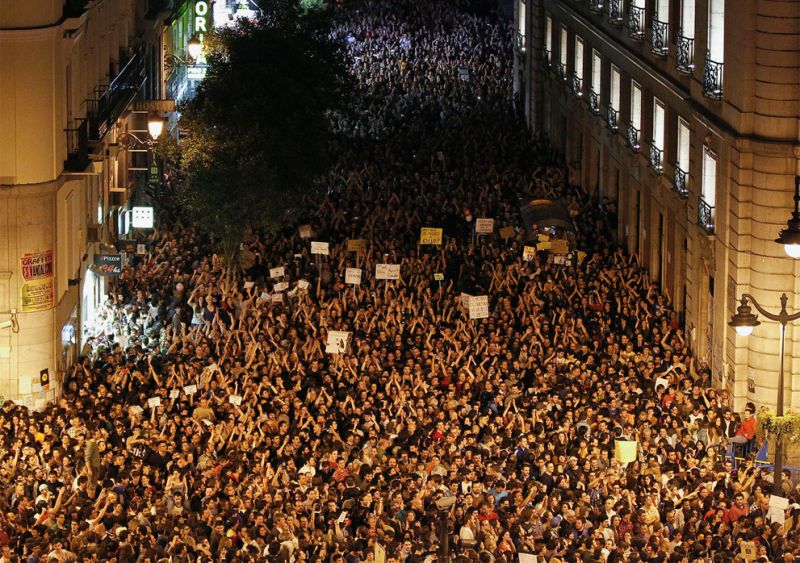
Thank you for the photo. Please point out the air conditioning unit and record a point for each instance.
(93, 233)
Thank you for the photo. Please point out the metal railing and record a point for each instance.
(712, 79)
(679, 182)
(104, 111)
(615, 12)
(656, 155)
(684, 54)
(636, 22)
(633, 137)
(577, 85)
(561, 69)
(77, 147)
(522, 43)
(659, 40)
(613, 119)
(705, 215)
(596, 6)
(594, 102)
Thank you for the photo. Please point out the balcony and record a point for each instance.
(596, 6)
(705, 216)
(656, 158)
(561, 69)
(613, 119)
(577, 85)
(111, 102)
(594, 102)
(659, 41)
(712, 79)
(77, 147)
(615, 12)
(636, 22)
(522, 43)
(633, 137)
(679, 182)
(684, 54)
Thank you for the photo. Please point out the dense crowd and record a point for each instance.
(209, 421)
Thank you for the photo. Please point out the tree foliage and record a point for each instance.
(257, 132)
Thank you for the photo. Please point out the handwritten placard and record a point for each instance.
(190, 389)
(235, 400)
(305, 231)
(352, 276)
(277, 298)
(438, 276)
(320, 248)
(430, 235)
(749, 552)
(559, 246)
(356, 245)
(302, 284)
(154, 402)
(281, 286)
(507, 232)
(528, 253)
(387, 271)
(278, 272)
(479, 307)
(544, 245)
(484, 226)
(543, 237)
(174, 393)
(337, 342)
(465, 297)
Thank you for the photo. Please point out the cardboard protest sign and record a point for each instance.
(352, 276)
(528, 253)
(320, 248)
(527, 558)
(625, 450)
(543, 237)
(305, 231)
(430, 235)
(387, 271)
(337, 342)
(559, 246)
(356, 245)
(235, 400)
(749, 552)
(465, 297)
(141, 249)
(190, 389)
(663, 382)
(484, 226)
(278, 272)
(174, 393)
(249, 284)
(154, 402)
(544, 245)
(438, 276)
(281, 286)
(302, 284)
(479, 307)
(277, 298)
(777, 508)
(507, 232)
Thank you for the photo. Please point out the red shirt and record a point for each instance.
(748, 428)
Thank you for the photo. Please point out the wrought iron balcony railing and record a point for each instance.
(596, 6)
(594, 102)
(104, 111)
(522, 43)
(656, 154)
(577, 85)
(679, 182)
(659, 40)
(548, 57)
(705, 216)
(561, 69)
(712, 79)
(77, 147)
(684, 54)
(615, 12)
(636, 22)
(633, 137)
(613, 119)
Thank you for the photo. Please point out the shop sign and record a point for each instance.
(108, 264)
(37, 281)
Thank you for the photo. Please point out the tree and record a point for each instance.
(258, 133)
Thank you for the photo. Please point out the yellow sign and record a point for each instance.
(430, 235)
(749, 551)
(528, 253)
(559, 246)
(37, 287)
(543, 238)
(507, 232)
(544, 245)
(356, 245)
(625, 450)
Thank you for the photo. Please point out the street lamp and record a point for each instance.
(194, 48)
(155, 125)
(744, 321)
(790, 236)
(444, 505)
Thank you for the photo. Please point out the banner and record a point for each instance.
(430, 235)
(320, 248)
(108, 264)
(352, 276)
(478, 306)
(484, 226)
(387, 271)
(37, 276)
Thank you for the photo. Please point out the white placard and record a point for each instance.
(387, 271)
(276, 272)
(662, 381)
(277, 298)
(264, 296)
(527, 558)
(777, 507)
(352, 276)
(174, 393)
(337, 342)
(249, 284)
(302, 284)
(142, 218)
(154, 402)
(235, 400)
(465, 300)
(281, 286)
(141, 249)
(479, 307)
(190, 389)
(320, 248)
(484, 226)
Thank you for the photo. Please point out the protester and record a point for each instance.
(209, 421)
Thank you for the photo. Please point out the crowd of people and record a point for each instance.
(210, 419)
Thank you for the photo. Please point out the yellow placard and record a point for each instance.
(543, 237)
(625, 450)
(749, 551)
(37, 295)
(430, 235)
(581, 256)
(507, 232)
(544, 245)
(559, 246)
(528, 253)
(356, 245)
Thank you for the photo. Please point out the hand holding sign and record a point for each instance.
(479, 307)
(430, 235)
(352, 276)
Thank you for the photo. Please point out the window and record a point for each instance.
(687, 19)
(705, 208)
(662, 10)
(680, 182)
(616, 81)
(548, 38)
(635, 122)
(577, 70)
(684, 44)
(716, 30)
(563, 52)
(521, 25)
(597, 75)
(658, 123)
